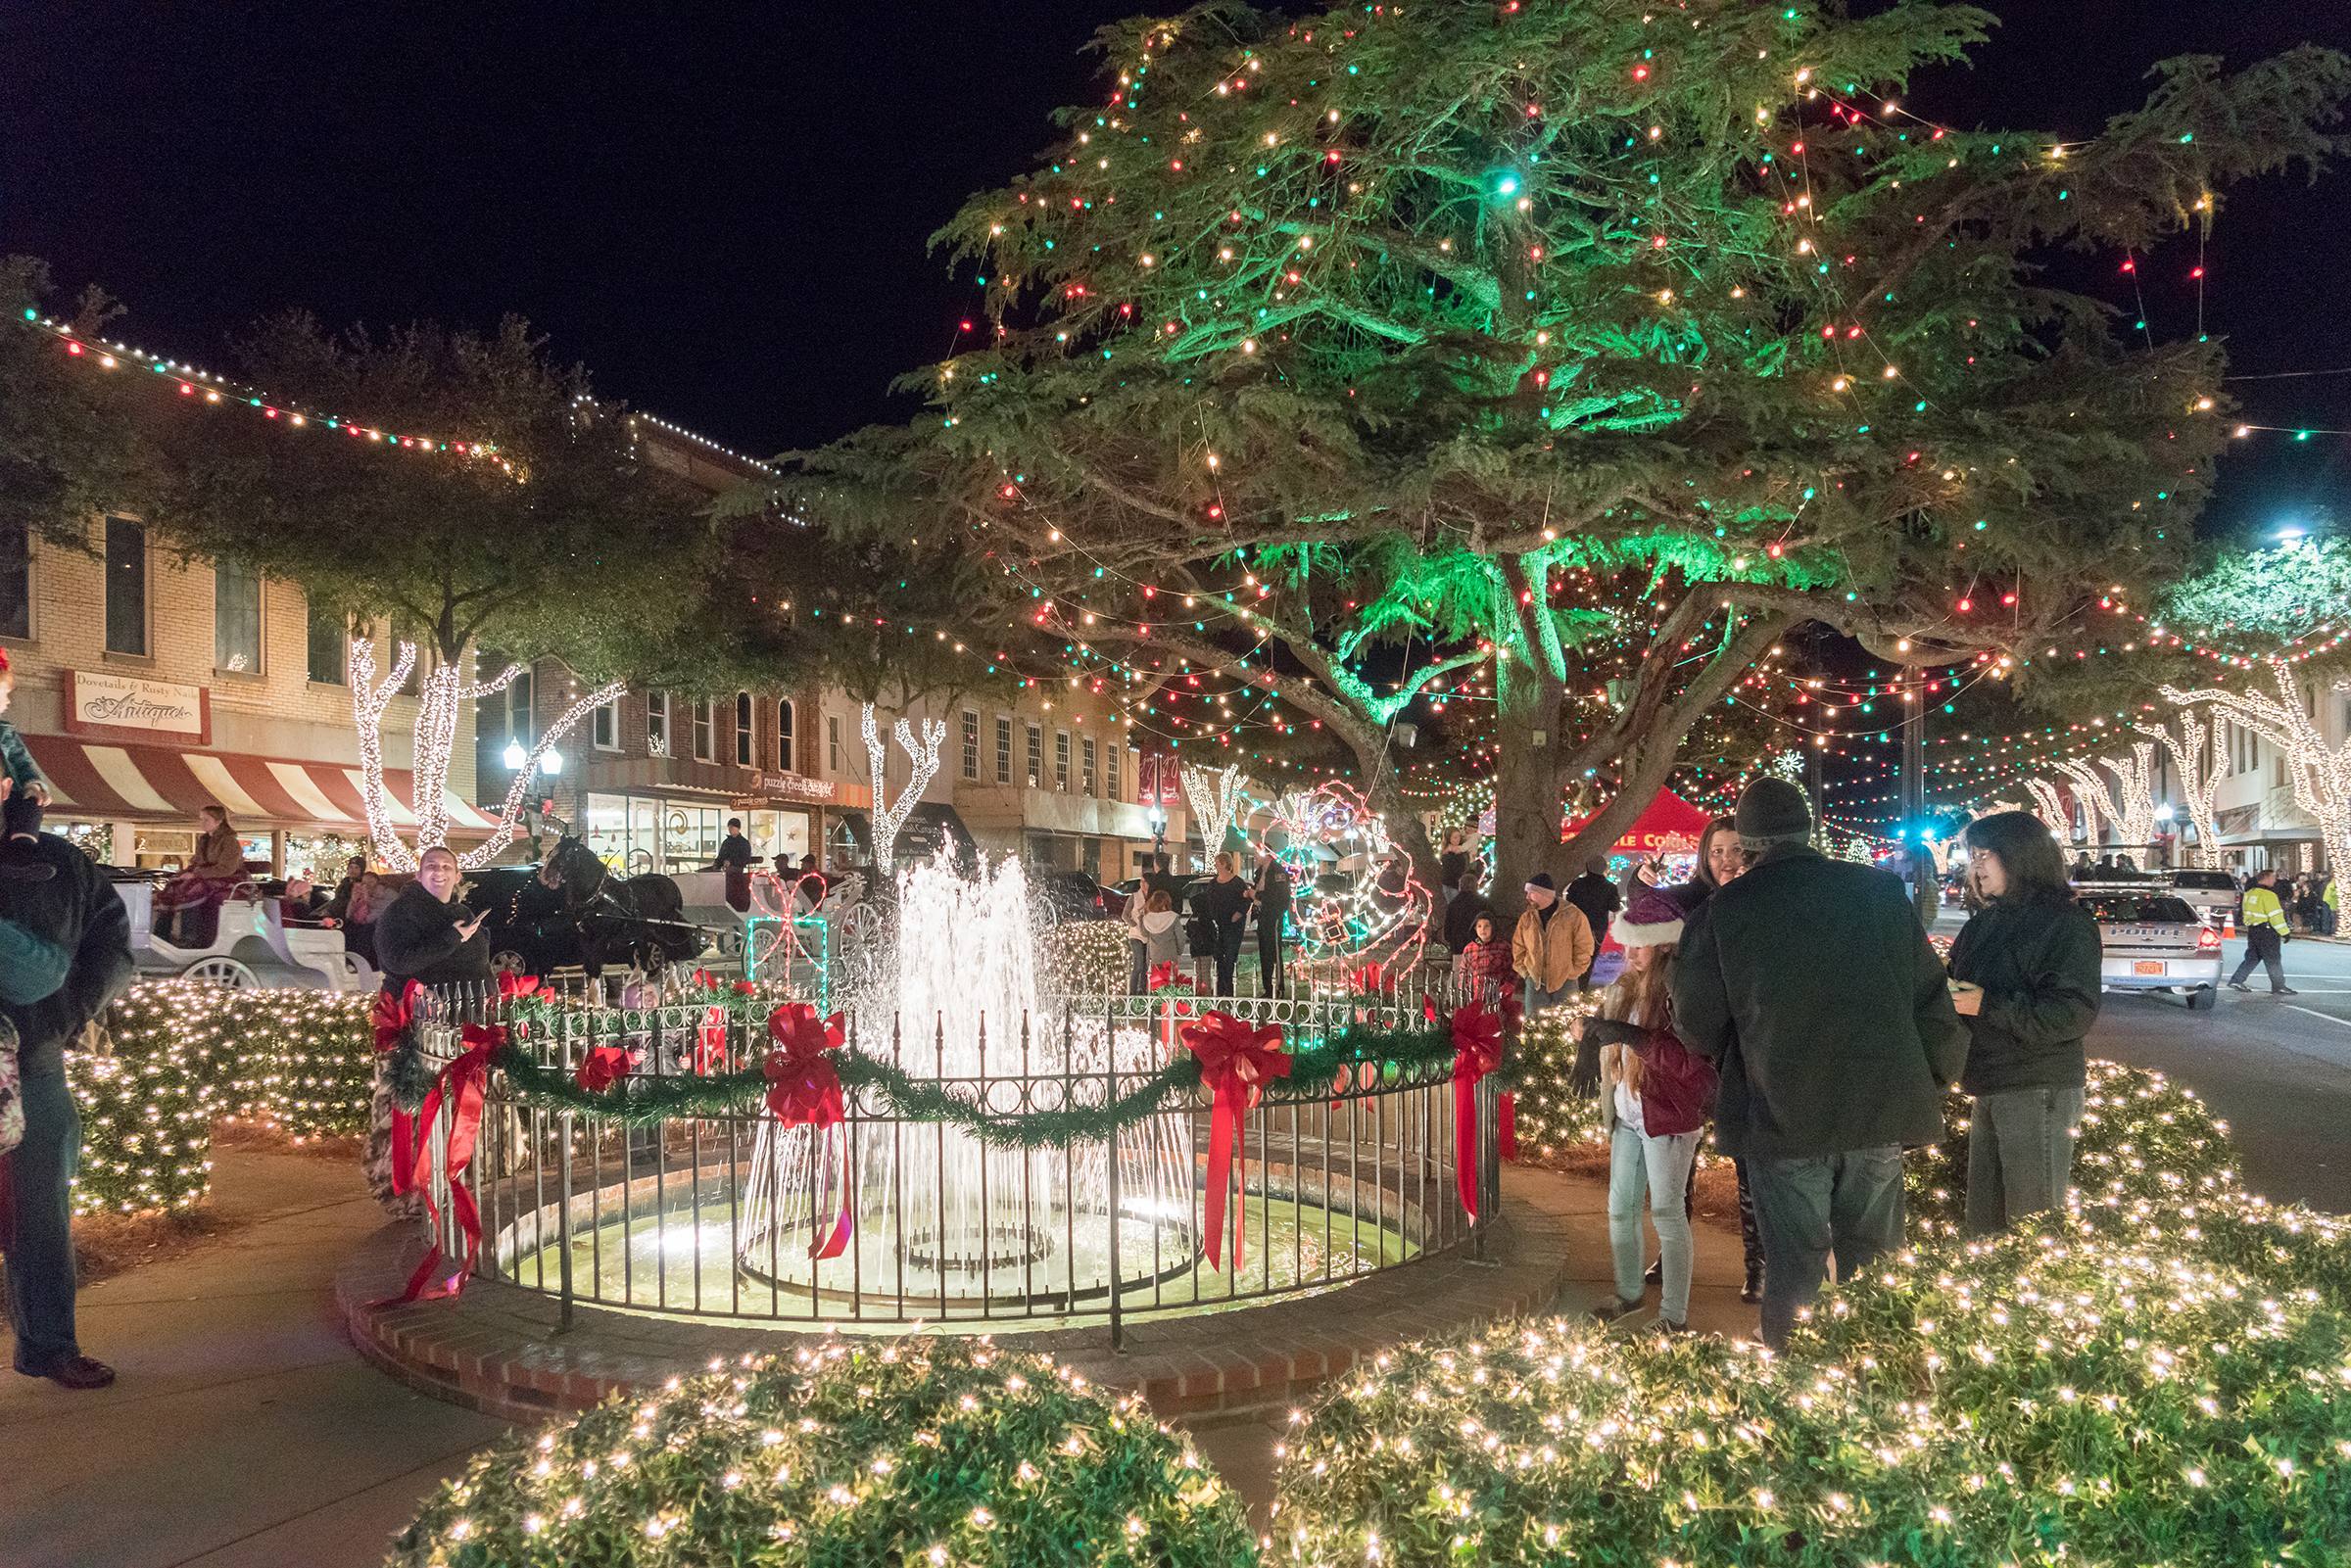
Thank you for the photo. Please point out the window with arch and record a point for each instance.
(783, 757)
(743, 728)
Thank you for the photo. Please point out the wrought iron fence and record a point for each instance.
(890, 1218)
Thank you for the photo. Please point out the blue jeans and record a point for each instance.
(1662, 1166)
(1849, 1204)
(1537, 999)
(2020, 1155)
(36, 1220)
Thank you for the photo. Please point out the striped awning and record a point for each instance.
(134, 783)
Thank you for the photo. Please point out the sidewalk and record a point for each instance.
(245, 1429)
(242, 1429)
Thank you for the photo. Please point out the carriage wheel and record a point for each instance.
(223, 971)
(508, 962)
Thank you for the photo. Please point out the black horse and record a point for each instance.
(570, 911)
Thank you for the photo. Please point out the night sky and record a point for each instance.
(722, 210)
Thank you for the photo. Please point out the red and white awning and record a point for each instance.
(134, 782)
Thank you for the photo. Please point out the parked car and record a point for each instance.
(2212, 894)
(2155, 941)
(1070, 895)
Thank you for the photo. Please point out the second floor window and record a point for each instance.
(783, 753)
(522, 730)
(656, 723)
(236, 617)
(329, 643)
(126, 587)
(1004, 748)
(1087, 755)
(743, 728)
(1114, 746)
(701, 729)
(1061, 760)
(833, 743)
(1036, 756)
(606, 725)
(971, 743)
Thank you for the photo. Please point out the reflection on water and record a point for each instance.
(670, 1262)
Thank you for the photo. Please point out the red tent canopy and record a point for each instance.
(1670, 826)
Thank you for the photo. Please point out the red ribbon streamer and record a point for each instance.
(1236, 1061)
(803, 1088)
(1477, 1047)
(460, 1085)
(393, 1016)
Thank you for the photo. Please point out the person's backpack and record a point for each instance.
(1677, 1087)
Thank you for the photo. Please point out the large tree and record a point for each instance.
(66, 451)
(1501, 295)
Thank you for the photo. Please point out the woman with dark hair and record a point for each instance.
(2025, 972)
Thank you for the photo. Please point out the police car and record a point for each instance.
(2153, 940)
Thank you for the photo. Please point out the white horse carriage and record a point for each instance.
(252, 947)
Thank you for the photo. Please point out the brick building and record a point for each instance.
(147, 687)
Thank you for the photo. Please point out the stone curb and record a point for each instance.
(496, 1348)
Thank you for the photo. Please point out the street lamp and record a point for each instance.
(516, 757)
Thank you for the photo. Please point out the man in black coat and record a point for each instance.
(1597, 896)
(64, 955)
(1468, 902)
(427, 937)
(1812, 983)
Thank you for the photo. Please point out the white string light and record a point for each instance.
(2321, 775)
(1214, 795)
(2131, 808)
(924, 762)
(2050, 805)
(440, 702)
(2199, 780)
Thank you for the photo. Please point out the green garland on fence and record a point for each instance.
(643, 1100)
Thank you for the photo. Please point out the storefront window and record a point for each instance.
(776, 833)
(689, 837)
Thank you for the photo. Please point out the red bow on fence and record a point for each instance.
(1165, 978)
(1237, 1062)
(1477, 1048)
(803, 1088)
(393, 1017)
(1370, 981)
(710, 1041)
(601, 1067)
(511, 985)
(461, 1087)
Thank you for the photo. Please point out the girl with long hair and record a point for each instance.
(1655, 1097)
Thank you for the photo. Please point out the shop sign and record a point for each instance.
(797, 786)
(122, 708)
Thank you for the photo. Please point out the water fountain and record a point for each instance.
(938, 1218)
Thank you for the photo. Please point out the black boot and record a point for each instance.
(1754, 1291)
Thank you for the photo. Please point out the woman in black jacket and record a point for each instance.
(427, 937)
(1224, 904)
(2028, 968)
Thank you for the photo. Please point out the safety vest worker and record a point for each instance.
(2263, 909)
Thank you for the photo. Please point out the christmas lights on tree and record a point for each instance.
(2320, 774)
(442, 699)
(2200, 775)
(923, 765)
(1214, 795)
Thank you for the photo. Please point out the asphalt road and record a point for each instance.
(2278, 1070)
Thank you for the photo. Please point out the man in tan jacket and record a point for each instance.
(1552, 946)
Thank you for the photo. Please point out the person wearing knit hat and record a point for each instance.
(22, 794)
(1828, 1068)
(1552, 945)
(1654, 1100)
